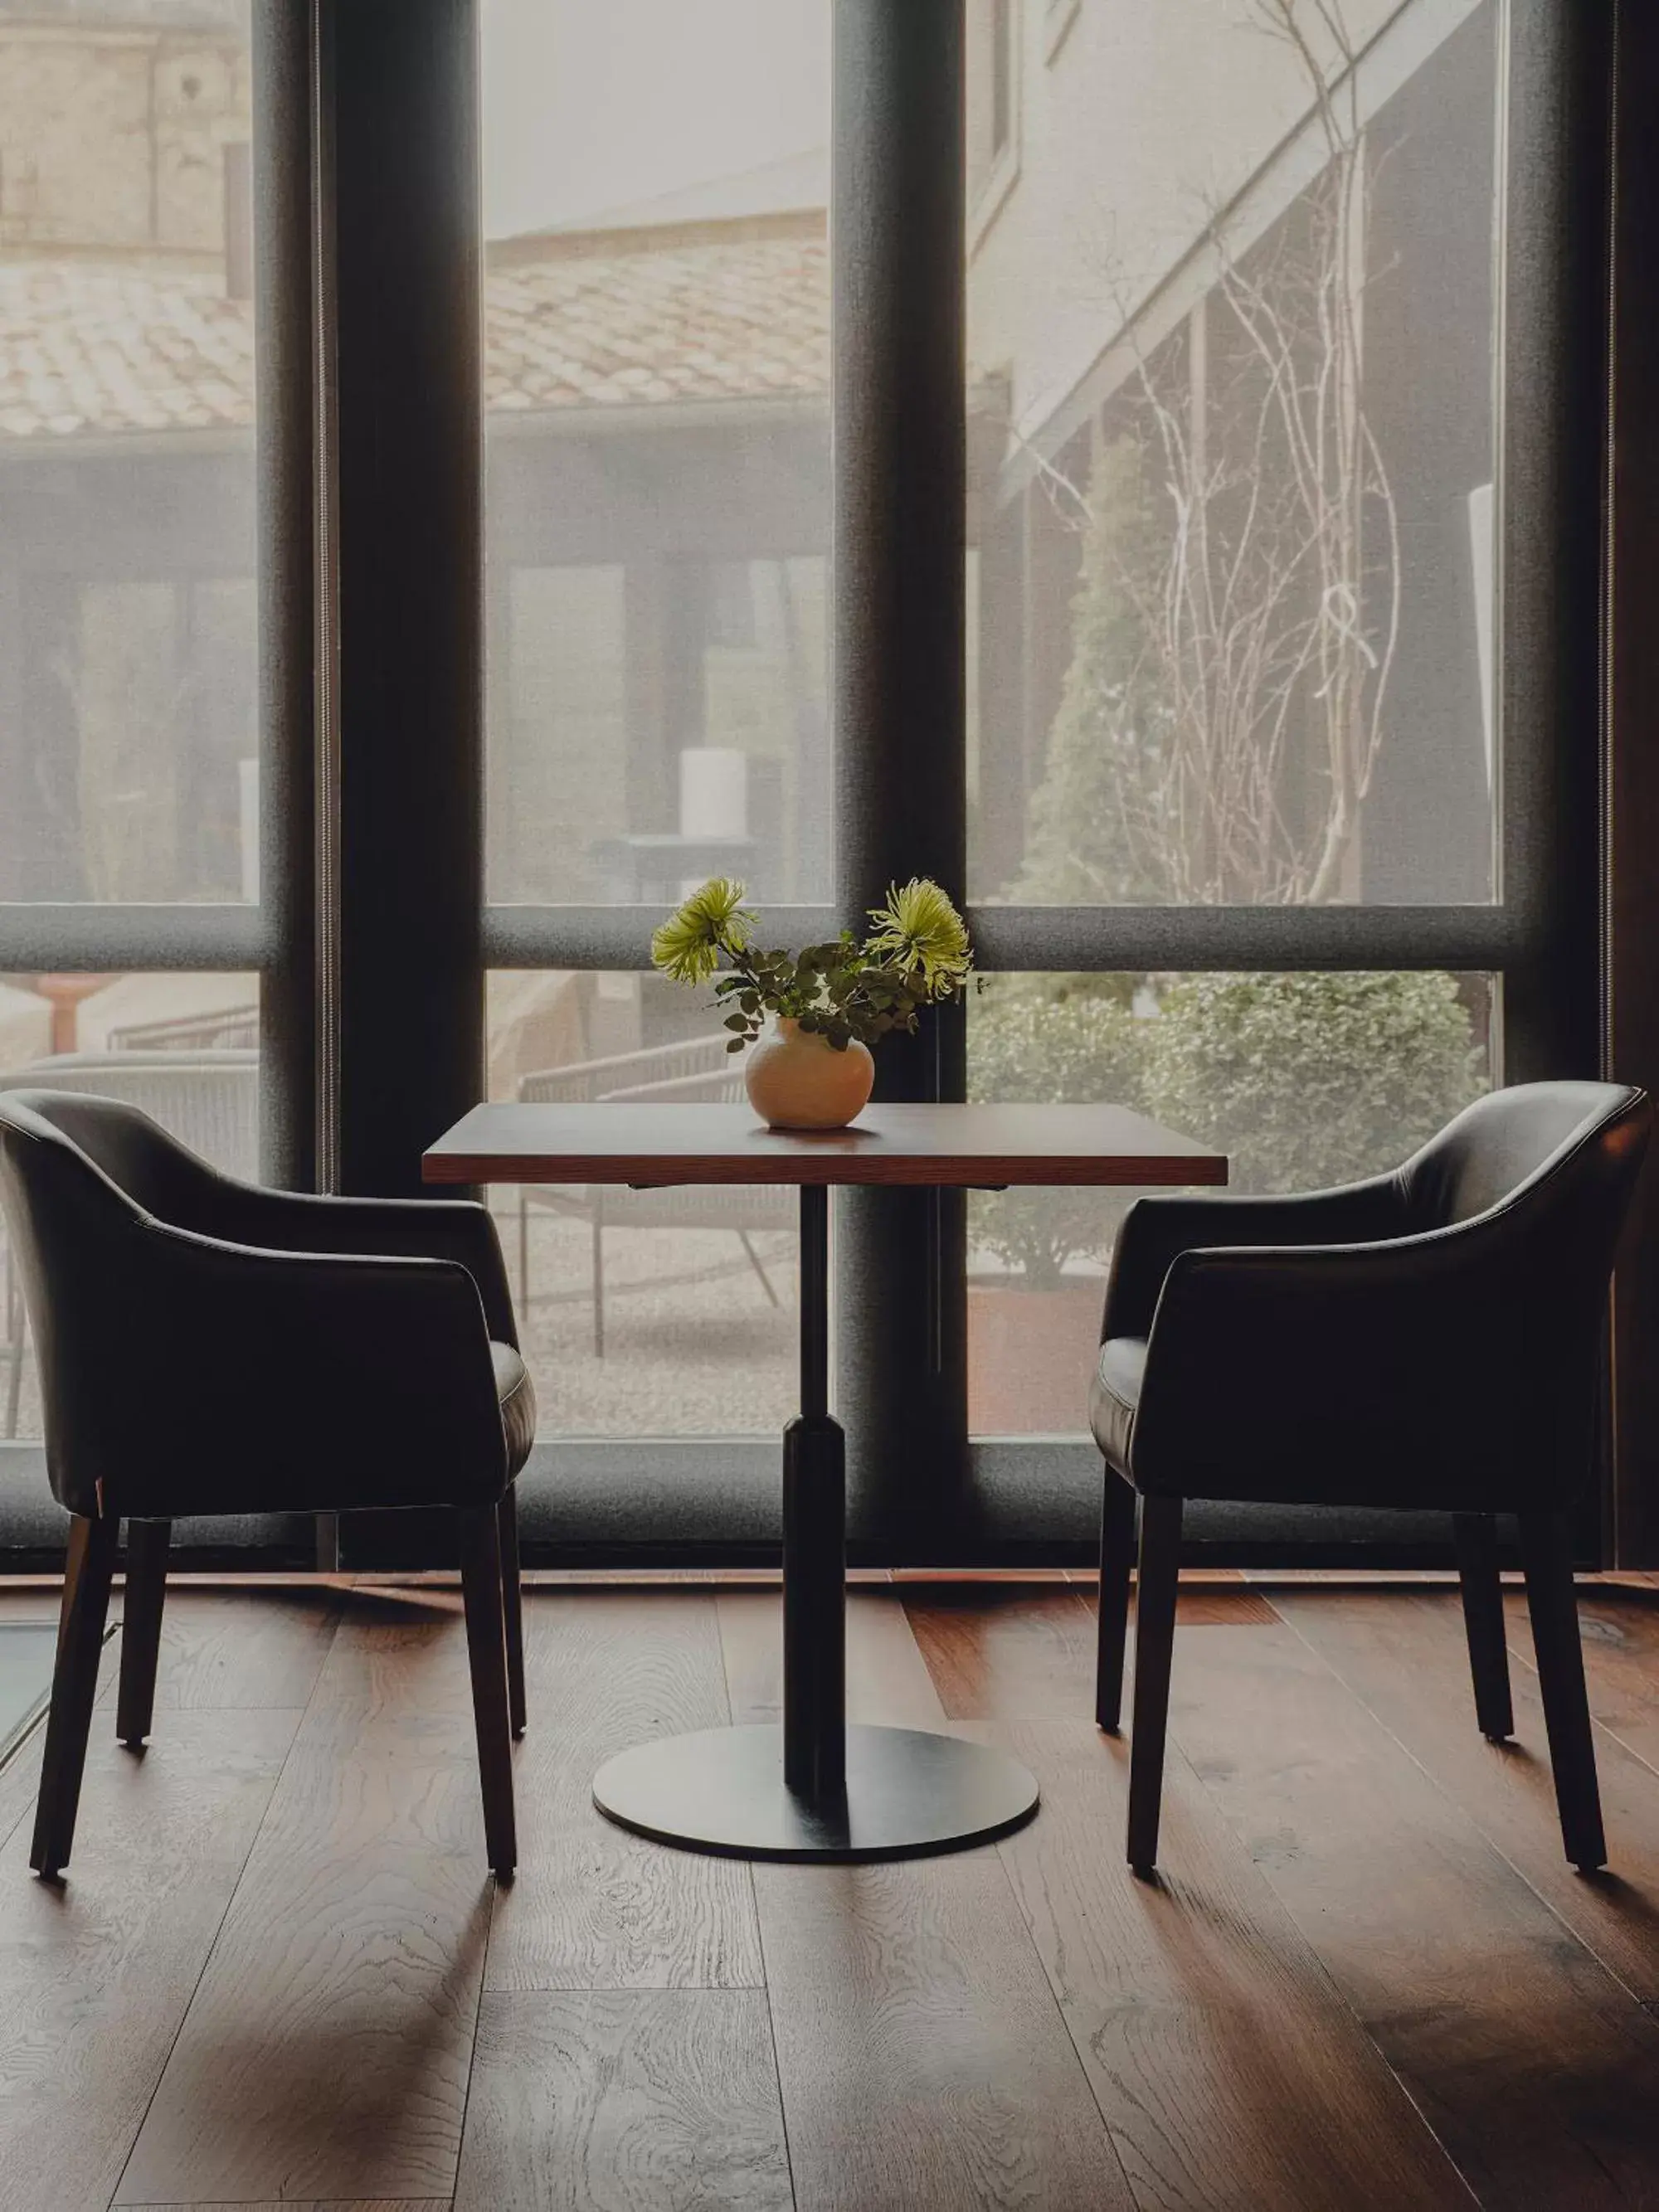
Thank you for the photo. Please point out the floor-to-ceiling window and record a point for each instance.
(1232, 361)
(1251, 755)
(656, 319)
(1186, 582)
(130, 741)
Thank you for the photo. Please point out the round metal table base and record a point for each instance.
(908, 1794)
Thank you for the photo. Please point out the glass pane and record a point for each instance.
(1231, 351)
(127, 633)
(1303, 1080)
(657, 316)
(642, 1312)
(184, 1047)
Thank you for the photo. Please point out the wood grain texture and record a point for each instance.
(594, 1907)
(922, 2060)
(1363, 1934)
(239, 1648)
(1537, 2072)
(1002, 1653)
(954, 1145)
(1620, 1633)
(1200, 2015)
(255, 1647)
(611, 2101)
(1203, 2018)
(888, 1683)
(95, 1976)
(326, 2051)
(1402, 1657)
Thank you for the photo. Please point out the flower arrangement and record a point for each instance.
(832, 1002)
(846, 991)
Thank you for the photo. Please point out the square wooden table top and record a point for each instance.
(964, 1148)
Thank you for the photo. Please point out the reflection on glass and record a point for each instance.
(651, 1312)
(127, 637)
(1303, 1080)
(185, 1049)
(657, 444)
(1232, 348)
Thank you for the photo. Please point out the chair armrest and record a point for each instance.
(459, 1230)
(295, 1381)
(1156, 1230)
(1337, 1369)
(202, 1199)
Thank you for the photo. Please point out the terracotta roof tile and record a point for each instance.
(94, 350)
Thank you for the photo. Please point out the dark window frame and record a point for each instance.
(923, 1492)
(372, 938)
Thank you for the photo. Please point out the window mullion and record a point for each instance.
(900, 440)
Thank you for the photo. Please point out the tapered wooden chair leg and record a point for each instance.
(1475, 1536)
(87, 1573)
(1547, 1555)
(1155, 1612)
(141, 1628)
(507, 1515)
(1117, 1544)
(486, 1646)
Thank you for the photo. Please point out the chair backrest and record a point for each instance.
(127, 1163)
(209, 1101)
(185, 1373)
(1543, 1174)
(1546, 1147)
(77, 1177)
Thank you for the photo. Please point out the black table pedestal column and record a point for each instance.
(815, 1540)
(814, 1606)
(816, 1788)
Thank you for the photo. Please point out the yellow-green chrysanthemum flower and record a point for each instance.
(919, 928)
(713, 921)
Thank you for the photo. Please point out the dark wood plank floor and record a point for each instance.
(279, 1973)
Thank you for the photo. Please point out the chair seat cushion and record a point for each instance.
(1114, 1396)
(518, 1395)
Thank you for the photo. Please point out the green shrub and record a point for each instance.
(1306, 1080)
(1303, 1080)
(1060, 1042)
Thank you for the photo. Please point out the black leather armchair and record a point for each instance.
(207, 1347)
(1431, 1338)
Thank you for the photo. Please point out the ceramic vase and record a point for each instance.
(797, 1079)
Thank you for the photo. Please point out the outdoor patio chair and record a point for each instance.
(230, 1026)
(210, 1348)
(1429, 1339)
(697, 1072)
